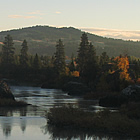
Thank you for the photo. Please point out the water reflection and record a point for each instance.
(6, 126)
(23, 124)
(8, 122)
(44, 98)
(29, 121)
(11, 127)
(22, 111)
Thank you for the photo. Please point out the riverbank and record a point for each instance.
(120, 122)
(12, 103)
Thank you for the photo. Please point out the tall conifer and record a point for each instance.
(59, 62)
(24, 60)
(91, 66)
(83, 53)
(8, 51)
(36, 62)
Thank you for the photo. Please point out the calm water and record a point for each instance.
(29, 123)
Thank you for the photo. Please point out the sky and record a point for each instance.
(110, 18)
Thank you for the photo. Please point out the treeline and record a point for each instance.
(42, 39)
(34, 69)
(99, 73)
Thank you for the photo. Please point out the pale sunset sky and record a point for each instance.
(110, 18)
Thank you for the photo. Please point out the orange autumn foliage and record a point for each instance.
(123, 65)
(75, 73)
(67, 71)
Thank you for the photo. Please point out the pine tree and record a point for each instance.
(104, 59)
(59, 62)
(91, 67)
(45, 60)
(52, 61)
(87, 61)
(24, 60)
(31, 59)
(72, 65)
(36, 62)
(8, 51)
(83, 53)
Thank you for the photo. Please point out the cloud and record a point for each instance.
(114, 33)
(20, 16)
(29, 17)
(36, 13)
(57, 12)
(15, 16)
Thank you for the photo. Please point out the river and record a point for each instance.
(29, 123)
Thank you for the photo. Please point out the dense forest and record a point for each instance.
(42, 40)
(97, 72)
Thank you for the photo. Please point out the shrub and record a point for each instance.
(105, 121)
(132, 110)
(113, 101)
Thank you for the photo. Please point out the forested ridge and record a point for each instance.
(42, 40)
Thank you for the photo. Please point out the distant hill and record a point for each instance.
(42, 40)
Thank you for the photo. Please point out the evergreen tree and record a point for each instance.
(87, 61)
(45, 61)
(8, 51)
(24, 60)
(104, 59)
(72, 65)
(83, 53)
(52, 61)
(91, 67)
(36, 62)
(31, 59)
(59, 62)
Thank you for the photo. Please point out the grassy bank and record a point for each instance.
(12, 103)
(106, 121)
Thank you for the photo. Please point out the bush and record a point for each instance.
(132, 110)
(113, 101)
(105, 121)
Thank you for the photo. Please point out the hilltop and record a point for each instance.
(42, 40)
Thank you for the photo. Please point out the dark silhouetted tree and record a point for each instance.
(72, 65)
(104, 59)
(24, 60)
(91, 68)
(36, 62)
(83, 53)
(8, 51)
(59, 62)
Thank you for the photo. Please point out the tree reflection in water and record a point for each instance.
(7, 127)
(7, 122)
(8, 116)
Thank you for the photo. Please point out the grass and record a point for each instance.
(106, 121)
(12, 103)
(132, 110)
